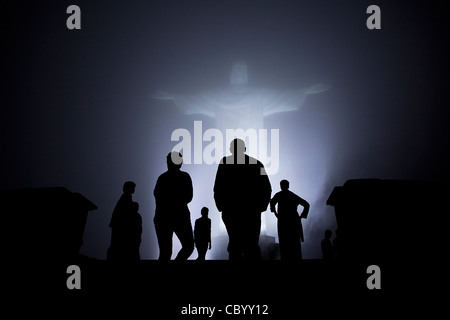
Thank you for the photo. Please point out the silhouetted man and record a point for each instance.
(173, 192)
(118, 249)
(202, 234)
(290, 230)
(326, 246)
(242, 192)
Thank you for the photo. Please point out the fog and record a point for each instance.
(79, 109)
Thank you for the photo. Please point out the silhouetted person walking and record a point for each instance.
(290, 230)
(326, 246)
(242, 192)
(202, 234)
(124, 226)
(173, 192)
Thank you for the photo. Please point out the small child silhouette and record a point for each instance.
(327, 247)
(202, 234)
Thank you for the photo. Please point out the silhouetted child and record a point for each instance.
(202, 234)
(290, 230)
(123, 206)
(327, 247)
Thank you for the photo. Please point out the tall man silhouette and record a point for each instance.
(290, 230)
(242, 192)
(173, 192)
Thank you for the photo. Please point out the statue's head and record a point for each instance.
(239, 73)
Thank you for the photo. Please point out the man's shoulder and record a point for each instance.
(226, 159)
(185, 174)
(173, 173)
(162, 175)
(289, 192)
(125, 197)
(248, 160)
(251, 160)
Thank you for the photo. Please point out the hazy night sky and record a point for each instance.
(77, 111)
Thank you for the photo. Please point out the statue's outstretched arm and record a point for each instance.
(163, 95)
(318, 88)
(188, 103)
(290, 100)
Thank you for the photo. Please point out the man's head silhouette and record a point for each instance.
(284, 185)
(129, 187)
(204, 212)
(237, 146)
(174, 160)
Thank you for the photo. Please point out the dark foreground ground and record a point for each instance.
(271, 289)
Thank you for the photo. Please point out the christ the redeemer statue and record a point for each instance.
(240, 106)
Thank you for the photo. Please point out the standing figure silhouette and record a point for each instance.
(242, 192)
(326, 246)
(173, 192)
(290, 229)
(126, 226)
(202, 234)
